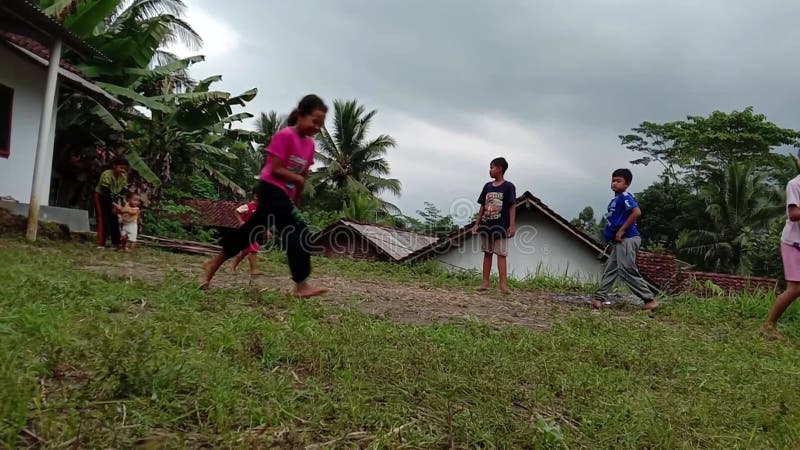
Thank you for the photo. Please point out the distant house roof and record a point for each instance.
(213, 213)
(526, 200)
(24, 17)
(38, 53)
(395, 243)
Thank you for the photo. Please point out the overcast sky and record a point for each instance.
(547, 84)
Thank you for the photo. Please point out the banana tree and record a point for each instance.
(190, 132)
(131, 33)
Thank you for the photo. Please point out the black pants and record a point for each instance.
(107, 221)
(275, 209)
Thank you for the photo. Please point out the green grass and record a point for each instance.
(431, 271)
(97, 362)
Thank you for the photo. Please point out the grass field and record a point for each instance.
(108, 360)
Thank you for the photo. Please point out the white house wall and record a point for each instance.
(16, 172)
(540, 247)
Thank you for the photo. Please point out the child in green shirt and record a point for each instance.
(113, 182)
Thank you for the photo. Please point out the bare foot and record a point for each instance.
(596, 303)
(232, 268)
(305, 290)
(255, 274)
(482, 288)
(505, 291)
(769, 331)
(208, 269)
(649, 306)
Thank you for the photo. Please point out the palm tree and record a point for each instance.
(131, 33)
(739, 203)
(350, 159)
(250, 155)
(362, 207)
(267, 124)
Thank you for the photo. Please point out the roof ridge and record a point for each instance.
(526, 196)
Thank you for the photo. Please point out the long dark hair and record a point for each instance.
(307, 106)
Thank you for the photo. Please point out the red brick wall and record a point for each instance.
(659, 269)
(663, 271)
(695, 282)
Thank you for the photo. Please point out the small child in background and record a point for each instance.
(243, 213)
(129, 219)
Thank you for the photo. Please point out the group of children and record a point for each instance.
(290, 155)
(496, 219)
(117, 209)
(496, 224)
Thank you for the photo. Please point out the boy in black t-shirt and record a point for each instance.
(496, 222)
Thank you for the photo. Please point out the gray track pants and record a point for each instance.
(622, 264)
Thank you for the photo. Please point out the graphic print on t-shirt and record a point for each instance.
(494, 206)
(296, 165)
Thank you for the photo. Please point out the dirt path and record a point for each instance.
(417, 303)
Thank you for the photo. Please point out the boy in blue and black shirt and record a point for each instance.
(621, 231)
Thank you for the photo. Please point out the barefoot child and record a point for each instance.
(790, 252)
(289, 156)
(496, 222)
(622, 232)
(243, 213)
(129, 216)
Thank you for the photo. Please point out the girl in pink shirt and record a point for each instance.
(289, 156)
(790, 253)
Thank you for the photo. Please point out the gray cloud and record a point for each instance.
(548, 84)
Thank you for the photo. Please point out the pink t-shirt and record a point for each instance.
(296, 152)
(791, 231)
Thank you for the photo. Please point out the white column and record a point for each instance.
(42, 150)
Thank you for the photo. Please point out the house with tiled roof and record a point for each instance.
(548, 244)
(344, 238)
(32, 73)
(218, 214)
(545, 244)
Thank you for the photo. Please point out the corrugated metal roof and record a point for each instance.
(396, 243)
